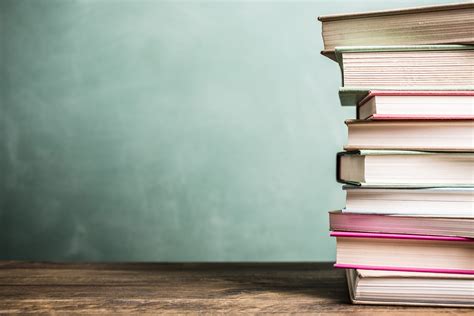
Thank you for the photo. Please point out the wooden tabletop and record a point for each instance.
(184, 288)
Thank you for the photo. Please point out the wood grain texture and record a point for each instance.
(313, 288)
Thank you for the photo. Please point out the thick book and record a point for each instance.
(405, 168)
(410, 288)
(389, 67)
(401, 224)
(383, 200)
(438, 24)
(416, 105)
(400, 252)
(429, 135)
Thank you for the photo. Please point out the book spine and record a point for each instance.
(339, 155)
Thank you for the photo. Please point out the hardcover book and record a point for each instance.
(416, 105)
(350, 96)
(400, 252)
(405, 168)
(419, 25)
(402, 224)
(410, 288)
(385, 200)
(444, 66)
(429, 135)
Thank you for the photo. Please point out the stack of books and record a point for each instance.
(406, 235)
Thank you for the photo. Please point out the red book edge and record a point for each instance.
(403, 269)
(398, 236)
(373, 93)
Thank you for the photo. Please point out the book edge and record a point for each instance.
(402, 269)
(398, 236)
(408, 10)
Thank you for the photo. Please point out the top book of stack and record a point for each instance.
(441, 24)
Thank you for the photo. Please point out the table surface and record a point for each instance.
(184, 288)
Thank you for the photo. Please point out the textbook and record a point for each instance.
(447, 66)
(386, 200)
(416, 105)
(429, 135)
(410, 288)
(405, 168)
(438, 24)
(402, 224)
(403, 252)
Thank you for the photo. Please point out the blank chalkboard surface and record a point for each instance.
(168, 131)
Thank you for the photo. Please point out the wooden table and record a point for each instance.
(184, 288)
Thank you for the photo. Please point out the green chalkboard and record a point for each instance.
(169, 131)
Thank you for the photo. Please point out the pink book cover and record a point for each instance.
(401, 236)
(374, 93)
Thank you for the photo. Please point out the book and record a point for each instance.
(350, 96)
(432, 135)
(405, 168)
(402, 224)
(406, 235)
(447, 66)
(449, 202)
(410, 288)
(418, 105)
(438, 24)
(401, 252)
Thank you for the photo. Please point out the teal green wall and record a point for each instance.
(168, 131)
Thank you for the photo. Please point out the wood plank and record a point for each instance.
(183, 288)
